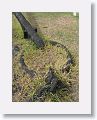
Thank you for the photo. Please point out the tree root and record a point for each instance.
(52, 82)
(52, 85)
(25, 68)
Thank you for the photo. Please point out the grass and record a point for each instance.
(60, 27)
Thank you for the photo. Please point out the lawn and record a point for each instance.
(60, 27)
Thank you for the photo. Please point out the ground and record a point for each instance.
(59, 27)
